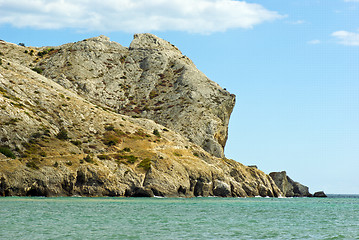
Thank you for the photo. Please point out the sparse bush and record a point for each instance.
(103, 157)
(123, 59)
(110, 139)
(44, 52)
(7, 152)
(62, 135)
(76, 142)
(36, 135)
(153, 94)
(145, 164)
(56, 164)
(38, 70)
(129, 159)
(32, 164)
(88, 159)
(156, 133)
(126, 149)
(22, 44)
(177, 154)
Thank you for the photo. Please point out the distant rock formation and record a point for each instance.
(288, 187)
(319, 194)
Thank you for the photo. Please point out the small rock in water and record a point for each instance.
(319, 194)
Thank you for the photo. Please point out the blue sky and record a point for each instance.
(293, 65)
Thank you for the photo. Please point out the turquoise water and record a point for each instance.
(177, 218)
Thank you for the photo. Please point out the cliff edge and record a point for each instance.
(76, 120)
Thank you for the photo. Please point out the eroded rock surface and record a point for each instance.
(289, 187)
(150, 79)
(60, 142)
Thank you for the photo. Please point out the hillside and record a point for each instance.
(94, 118)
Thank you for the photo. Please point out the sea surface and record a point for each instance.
(335, 217)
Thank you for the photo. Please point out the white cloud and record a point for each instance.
(199, 16)
(347, 38)
(313, 42)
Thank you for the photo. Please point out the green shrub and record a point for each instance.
(38, 70)
(56, 164)
(129, 159)
(110, 139)
(7, 152)
(88, 159)
(126, 149)
(103, 157)
(145, 164)
(156, 133)
(32, 164)
(62, 135)
(76, 142)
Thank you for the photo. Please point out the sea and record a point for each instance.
(335, 217)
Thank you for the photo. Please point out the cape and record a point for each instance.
(94, 118)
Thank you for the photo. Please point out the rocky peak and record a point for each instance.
(149, 41)
(150, 79)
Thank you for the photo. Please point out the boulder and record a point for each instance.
(319, 194)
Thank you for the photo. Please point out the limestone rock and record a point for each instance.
(150, 79)
(289, 187)
(65, 142)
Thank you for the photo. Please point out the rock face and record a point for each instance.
(319, 194)
(288, 187)
(150, 79)
(63, 142)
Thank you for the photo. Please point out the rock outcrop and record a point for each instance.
(62, 142)
(289, 187)
(150, 79)
(319, 194)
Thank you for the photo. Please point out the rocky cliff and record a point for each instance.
(289, 187)
(76, 120)
(150, 79)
